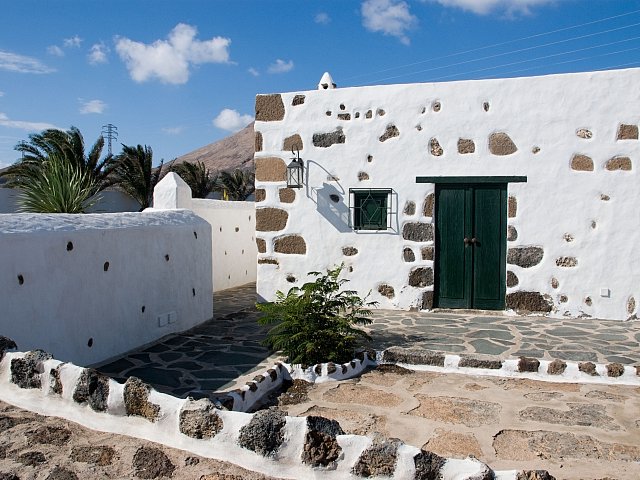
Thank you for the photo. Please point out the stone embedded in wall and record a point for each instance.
(291, 279)
(470, 361)
(290, 244)
(512, 279)
(260, 195)
(584, 133)
(421, 277)
(55, 382)
(349, 251)
(25, 371)
(581, 163)
(386, 290)
(528, 301)
(525, 257)
(605, 198)
(512, 233)
(588, 301)
(526, 364)
(556, 367)
(92, 388)
(627, 132)
(554, 282)
(6, 344)
(136, 395)
(271, 219)
(408, 255)
(320, 445)
(198, 419)
(426, 253)
(418, 232)
(435, 148)
(535, 149)
(631, 305)
(297, 100)
(566, 262)
(428, 465)
(264, 433)
(325, 140)
(267, 261)
(287, 195)
(271, 169)
(149, 463)
(618, 163)
(258, 142)
(379, 459)
(344, 116)
(369, 114)
(436, 106)
(262, 245)
(426, 302)
(429, 203)
(362, 176)
(501, 144)
(294, 142)
(512, 206)
(390, 132)
(589, 368)
(380, 112)
(615, 369)
(486, 106)
(466, 145)
(409, 208)
(269, 108)
(563, 299)
(568, 237)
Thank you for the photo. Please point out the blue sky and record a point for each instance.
(177, 75)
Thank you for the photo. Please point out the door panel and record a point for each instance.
(471, 274)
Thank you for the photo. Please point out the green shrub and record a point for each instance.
(315, 323)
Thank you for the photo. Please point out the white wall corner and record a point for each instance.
(171, 192)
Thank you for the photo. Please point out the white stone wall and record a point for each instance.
(90, 287)
(569, 207)
(233, 226)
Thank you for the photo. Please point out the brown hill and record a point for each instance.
(234, 151)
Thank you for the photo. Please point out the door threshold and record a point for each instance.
(470, 311)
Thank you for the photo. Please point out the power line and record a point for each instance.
(110, 132)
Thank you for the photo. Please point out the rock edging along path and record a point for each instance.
(267, 442)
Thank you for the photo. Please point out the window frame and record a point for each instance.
(356, 197)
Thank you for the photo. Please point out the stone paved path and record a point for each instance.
(225, 351)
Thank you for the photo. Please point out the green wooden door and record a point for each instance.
(470, 245)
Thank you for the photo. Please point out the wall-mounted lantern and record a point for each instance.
(295, 171)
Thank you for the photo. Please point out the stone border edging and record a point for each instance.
(267, 442)
(546, 370)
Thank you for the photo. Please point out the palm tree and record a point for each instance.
(62, 144)
(134, 174)
(56, 186)
(236, 185)
(197, 176)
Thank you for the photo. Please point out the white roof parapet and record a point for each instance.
(326, 82)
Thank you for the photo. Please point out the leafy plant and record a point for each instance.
(197, 176)
(316, 322)
(56, 186)
(236, 185)
(135, 175)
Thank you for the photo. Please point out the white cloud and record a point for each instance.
(484, 7)
(280, 66)
(390, 17)
(173, 130)
(98, 54)
(23, 125)
(232, 120)
(55, 50)
(92, 106)
(169, 60)
(22, 64)
(253, 72)
(1, 94)
(322, 18)
(73, 42)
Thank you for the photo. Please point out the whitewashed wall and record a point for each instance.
(587, 215)
(89, 287)
(233, 226)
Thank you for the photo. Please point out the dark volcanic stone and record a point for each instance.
(136, 393)
(556, 367)
(6, 344)
(55, 383)
(60, 473)
(49, 435)
(325, 140)
(615, 369)
(25, 371)
(528, 301)
(264, 433)
(320, 446)
(379, 459)
(413, 357)
(98, 455)
(512, 279)
(417, 231)
(528, 364)
(421, 277)
(480, 363)
(198, 419)
(525, 257)
(534, 475)
(8, 476)
(92, 388)
(149, 462)
(31, 459)
(428, 465)
(588, 367)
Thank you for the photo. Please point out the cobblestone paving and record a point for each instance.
(221, 353)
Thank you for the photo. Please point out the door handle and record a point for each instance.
(467, 241)
(474, 240)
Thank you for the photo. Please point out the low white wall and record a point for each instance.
(233, 228)
(89, 287)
